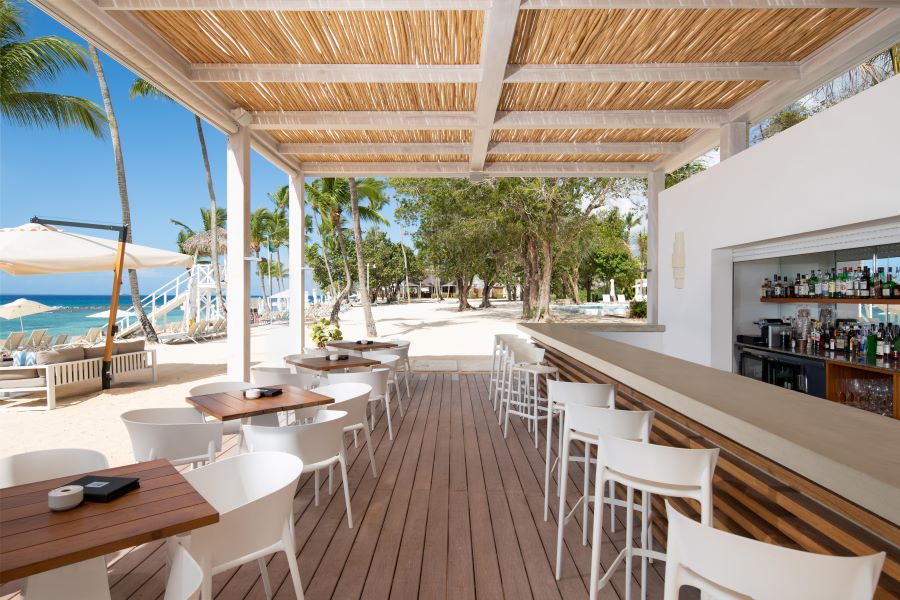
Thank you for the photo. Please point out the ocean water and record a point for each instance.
(70, 315)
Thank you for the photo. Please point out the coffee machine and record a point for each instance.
(775, 333)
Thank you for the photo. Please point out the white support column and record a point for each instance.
(656, 182)
(733, 138)
(297, 259)
(238, 297)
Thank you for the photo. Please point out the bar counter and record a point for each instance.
(886, 365)
(793, 470)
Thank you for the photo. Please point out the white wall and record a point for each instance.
(833, 170)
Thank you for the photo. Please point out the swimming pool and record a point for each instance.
(596, 309)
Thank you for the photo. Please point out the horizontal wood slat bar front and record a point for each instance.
(754, 496)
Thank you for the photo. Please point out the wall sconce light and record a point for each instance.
(678, 260)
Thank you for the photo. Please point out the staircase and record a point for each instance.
(196, 286)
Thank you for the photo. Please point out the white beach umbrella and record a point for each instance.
(104, 314)
(34, 249)
(22, 308)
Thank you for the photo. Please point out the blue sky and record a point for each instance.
(71, 175)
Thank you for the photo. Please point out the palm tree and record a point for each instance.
(321, 217)
(280, 230)
(259, 228)
(372, 190)
(187, 231)
(24, 63)
(143, 88)
(146, 325)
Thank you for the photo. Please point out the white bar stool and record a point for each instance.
(499, 367)
(650, 469)
(527, 402)
(510, 381)
(558, 394)
(585, 423)
(731, 566)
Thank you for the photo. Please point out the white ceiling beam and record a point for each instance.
(603, 119)
(585, 147)
(499, 29)
(376, 120)
(292, 73)
(651, 72)
(305, 5)
(374, 148)
(461, 169)
(567, 169)
(675, 4)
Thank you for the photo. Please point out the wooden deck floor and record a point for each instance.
(456, 512)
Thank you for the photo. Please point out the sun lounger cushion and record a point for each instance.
(19, 378)
(61, 355)
(127, 347)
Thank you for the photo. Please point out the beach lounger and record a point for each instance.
(192, 334)
(13, 341)
(60, 339)
(35, 340)
(621, 298)
(91, 337)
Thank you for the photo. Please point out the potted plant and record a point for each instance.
(323, 332)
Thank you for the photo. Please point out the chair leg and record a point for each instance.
(587, 494)
(629, 541)
(612, 508)
(371, 452)
(387, 411)
(331, 479)
(406, 370)
(316, 481)
(399, 395)
(264, 573)
(355, 441)
(345, 481)
(535, 390)
(287, 539)
(206, 582)
(547, 465)
(596, 539)
(645, 502)
(563, 473)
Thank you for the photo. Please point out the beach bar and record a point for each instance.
(447, 502)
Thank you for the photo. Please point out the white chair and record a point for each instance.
(731, 566)
(389, 360)
(185, 577)
(319, 444)
(650, 469)
(86, 579)
(180, 435)
(559, 393)
(403, 365)
(527, 402)
(377, 379)
(585, 423)
(352, 398)
(515, 352)
(254, 495)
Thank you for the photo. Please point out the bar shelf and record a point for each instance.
(832, 300)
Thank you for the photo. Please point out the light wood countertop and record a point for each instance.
(851, 452)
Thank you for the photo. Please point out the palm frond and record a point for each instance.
(40, 109)
(142, 88)
(42, 59)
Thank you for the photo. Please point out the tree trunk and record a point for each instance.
(360, 261)
(486, 295)
(462, 286)
(348, 281)
(531, 287)
(543, 306)
(214, 220)
(262, 279)
(325, 258)
(573, 284)
(440, 292)
(146, 325)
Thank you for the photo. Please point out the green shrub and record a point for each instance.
(638, 309)
(323, 332)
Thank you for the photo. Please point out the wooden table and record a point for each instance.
(33, 539)
(357, 347)
(321, 363)
(227, 406)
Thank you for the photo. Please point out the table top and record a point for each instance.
(227, 406)
(321, 363)
(33, 539)
(351, 345)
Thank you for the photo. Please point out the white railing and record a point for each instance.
(173, 294)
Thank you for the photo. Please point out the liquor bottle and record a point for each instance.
(815, 288)
(864, 285)
(832, 285)
(878, 284)
(890, 286)
(799, 287)
(789, 291)
(844, 285)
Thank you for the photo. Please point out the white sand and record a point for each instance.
(92, 421)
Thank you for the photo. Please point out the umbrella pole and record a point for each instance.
(114, 306)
